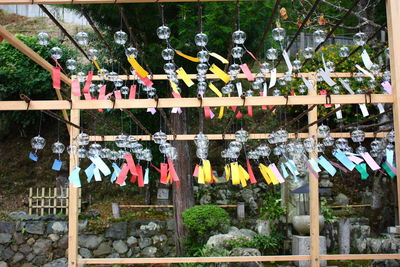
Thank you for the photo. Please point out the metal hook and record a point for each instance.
(286, 96)
(243, 97)
(328, 97)
(223, 137)
(156, 99)
(200, 98)
(112, 98)
(368, 93)
(26, 99)
(174, 137)
(70, 103)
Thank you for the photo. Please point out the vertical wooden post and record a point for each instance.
(393, 22)
(30, 200)
(73, 211)
(313, 181)
(240, 211)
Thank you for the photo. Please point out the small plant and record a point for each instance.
(272, 208)
(327, 212)
(267, 245)
(201, 222)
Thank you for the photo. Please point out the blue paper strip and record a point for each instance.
(292, 167)
(33, 156)
(389, 156)
(284, 171)
(57, 165)
(115, 172)
(326, 165)
(74, 177)
(314, 164)
(343, 159)
(101, 165)
(89, 172)
(146, 176)
(97, 176)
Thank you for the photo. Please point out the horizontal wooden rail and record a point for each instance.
(194, 259)
(48, 2)
(164, 206)
(360, 257)
(350, 206)
(190, 102)
(185, 137)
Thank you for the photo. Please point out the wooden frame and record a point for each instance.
(393, 16)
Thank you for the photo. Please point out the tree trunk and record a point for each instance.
(182, 192)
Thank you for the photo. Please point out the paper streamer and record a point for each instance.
(174, 87)
(276, 172)
(346, 86)
(220, 73)
(272, 81)
(33, 156)
(227, 172)
(355, 159)
(145, 79)
(146, 176)
(196, 170)
(220, 58)
(235, 173)
(292, 167)
(139, 170)
(89, 172)
(132, 92)
(263, 107)
(207, 170)
(271, 175)
(115, 172)
(183, 75)
(287, 61)
(250, 171)
(101, 165)
(117, 94)
(326, 78)
(88, 82)
(362, 169)
(252, 55)
(364, 110)
(193, 59)
(387, 87)
(311, 169)
(131, 164)
(381, 108)
(153, 111)
(200, 175)
(221, 112)
(370, 161)
(244, 176)
(369, 74)
(390, 170)
(366, 59)
(97, 176)
(307, 83)
(390, 156)
(314, 164)
(326, 165)
(56, 165)
(343, 159)
(122, 174)
(284, 171)
(76, 87)
(163, 173)
(74, 177)
(136, 66)
(56, 77)
(239, 88)
(215, 89)
(172, 171)
(339, 114)
(247, 72)
(337, 165)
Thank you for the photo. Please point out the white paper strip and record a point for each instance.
(346, 86)
(239, 88)
(265, 89)
(381, 108)
(272, 82)
(307, 83)
(287, 60)
(366, 59)
(365, 72)
(364, 110)
(101, 165)
(324, 64)
(326, 77)
(339, 114)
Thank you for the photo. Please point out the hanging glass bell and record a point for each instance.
(360, 38)
(272, 54)
(43, 38)
(319, 36)
(357, 136)
(131, 52)
(120, 37)
(82, 38)
(241, 136)
(38, 142)
(238, 37)
(160, 137)
(237, 52)
(56, 52)
(83, 139)
(163, 32)
(278, 34)
(201, 39)
(164, 147)
(235, 146)
(168, 54)
(70, 64)
(344, 52)
(121, 140)
(57, 147)
(323, 131)
(308, 52)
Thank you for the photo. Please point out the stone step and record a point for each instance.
(394, 230)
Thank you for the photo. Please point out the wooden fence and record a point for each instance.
(49, 200)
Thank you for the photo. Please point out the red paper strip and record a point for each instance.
(171, 168)
(251, 54)
(157, 169)
(251, 173)
(263, 107)
(117, 94)
(140, 180)
(76, 88)
(87, 96)
(133, 179)
(122, 174)
(164, 173)
(132, 92)
(239, 115)
(131, 164)
(207, 112)
(176, 95)
(311, 169)
(247, 72)
(196, 171)
(323, 92)
(58, 64)
(56, 76)
(102, 92)
(88, 82)
(250, 111)
(145, 80)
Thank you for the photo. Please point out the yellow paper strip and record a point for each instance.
(142, 72)
(215, 89)
(174, 87)
(271, 175)
(182, 73)
(201, 175)
(235, 173)
(220, 58)
(220, 73)
(207, 170)
(215, 178)
(221, 112)
(168, 178)
(97, 66)
(227, 172)
(264, 173)
(194, 59)
(244, 173)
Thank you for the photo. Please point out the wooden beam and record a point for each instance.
(164, 206)
(313, 181)
(253, 136)
(393, 18)
(14, 41)
(49, 2)
(73, 200)
(194, 259)
(191, 102)
(360, 257)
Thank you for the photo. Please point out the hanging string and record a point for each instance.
(200, 16)
(40, 122)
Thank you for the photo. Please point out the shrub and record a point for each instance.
(201, 222)
(267, 245)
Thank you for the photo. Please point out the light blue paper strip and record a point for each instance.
(314, 164)
(56, 165)
(101, 165)
(97, 176)
(146, 176)
(116, 172)
(33, 156)
(326, 165)
(292, 167)
(284, 171)
(343, 159)
(389, 156)
(89, 172)
(74, 177)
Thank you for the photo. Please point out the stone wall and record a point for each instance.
(31, 240)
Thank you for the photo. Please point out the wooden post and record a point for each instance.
(240, 211)
(314, 200)
(393, 22)
(73, 198)
(30, 200)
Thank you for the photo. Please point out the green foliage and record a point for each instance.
(327, 212)
(201, 222)
(272, 208)
(268, 245)
(19, 74)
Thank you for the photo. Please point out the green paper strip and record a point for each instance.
(362, 169)
(388, 170)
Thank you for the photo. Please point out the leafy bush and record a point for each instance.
(201, 222)
(272, 208)
(327, 212)
(267, 245)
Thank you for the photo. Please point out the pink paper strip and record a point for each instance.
(88, 82)
(311, 169)
(387, 86)
(132, 92)
(391, 167)
(247, 72)
(56, 76)
(370, 161)
(76, 88)
(343, 169)
(323, 92)
(277, 173)
(263, 107)
(117, 94)
(87, 96)
(196, 171)
(176, 95)
(145, 80)
(355, 159)
(152, 110)
(102, 92)
(251, 54)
